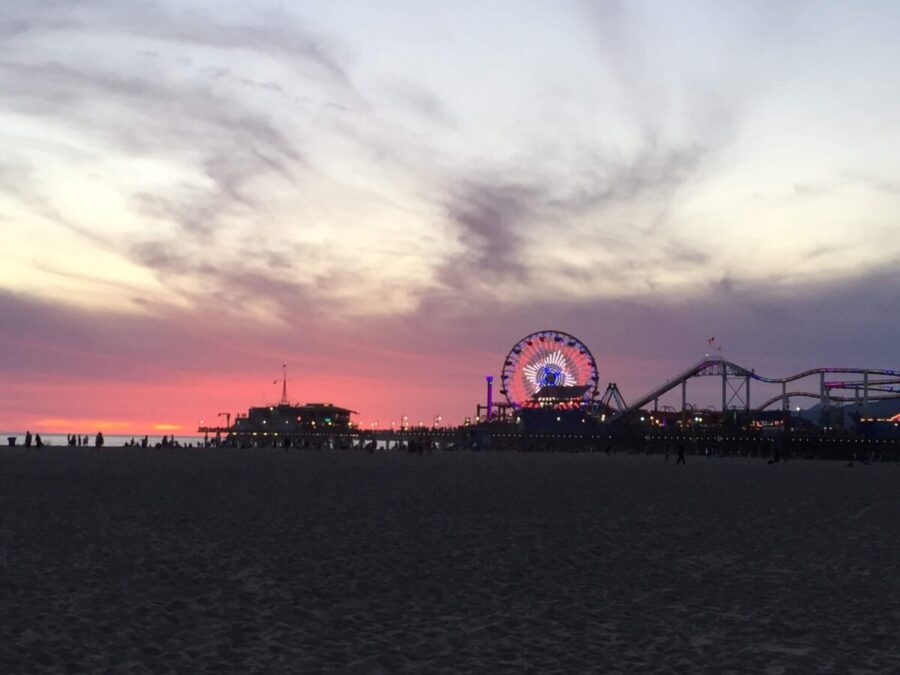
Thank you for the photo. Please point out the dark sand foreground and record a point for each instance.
(188, 561)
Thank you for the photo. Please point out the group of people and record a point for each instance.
(166, 442)
(79, 440)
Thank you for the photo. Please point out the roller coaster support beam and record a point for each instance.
(865, 394)
(785, 406)
(724, 392)
(684, 403)
(747, 396)
(822, 398)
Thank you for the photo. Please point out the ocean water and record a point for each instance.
(112, 440)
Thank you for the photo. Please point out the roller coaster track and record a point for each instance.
(839, 399)
(723, 368)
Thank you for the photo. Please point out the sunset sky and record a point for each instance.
(386, 196)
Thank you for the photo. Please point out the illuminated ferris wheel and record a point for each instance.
(548, 358)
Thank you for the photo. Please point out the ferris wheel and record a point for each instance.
(548, 358)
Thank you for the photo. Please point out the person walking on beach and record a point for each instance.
(680, 459)
(38, 442)
(98, 442)
(27, 439)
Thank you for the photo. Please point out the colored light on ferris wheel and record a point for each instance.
(547, 359)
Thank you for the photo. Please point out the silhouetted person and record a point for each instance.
(680, 459)
(86, 441)
(37, 441)
(27, 439)
(98, 442)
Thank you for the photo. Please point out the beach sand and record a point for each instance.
(191, 561)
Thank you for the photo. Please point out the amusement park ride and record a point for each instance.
(550, 384)
(545, 369)
(554, 371)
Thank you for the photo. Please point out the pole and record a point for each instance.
(724, 391)
(683, 404)
(822, 401)
(785, 404)
(865, 394)
(490, 396)
(747, 395)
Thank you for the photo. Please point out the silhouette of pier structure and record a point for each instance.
(551, 384)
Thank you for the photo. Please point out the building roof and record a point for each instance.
(557, 393)
(306, 407)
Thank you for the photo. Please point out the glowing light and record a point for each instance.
(553, 370)
(552, 360)
(81, 425)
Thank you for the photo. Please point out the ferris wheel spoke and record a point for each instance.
(547, 359)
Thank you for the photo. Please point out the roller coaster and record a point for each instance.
(867, 384)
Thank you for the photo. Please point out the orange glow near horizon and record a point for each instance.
(83, 426)
(90, 426)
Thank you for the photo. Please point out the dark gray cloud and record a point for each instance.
(653, 173)
(491, 219)
(42, 339)
(271, 31)
(498, 221)
(423, 102)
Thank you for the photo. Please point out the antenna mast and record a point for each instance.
(284, 398)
